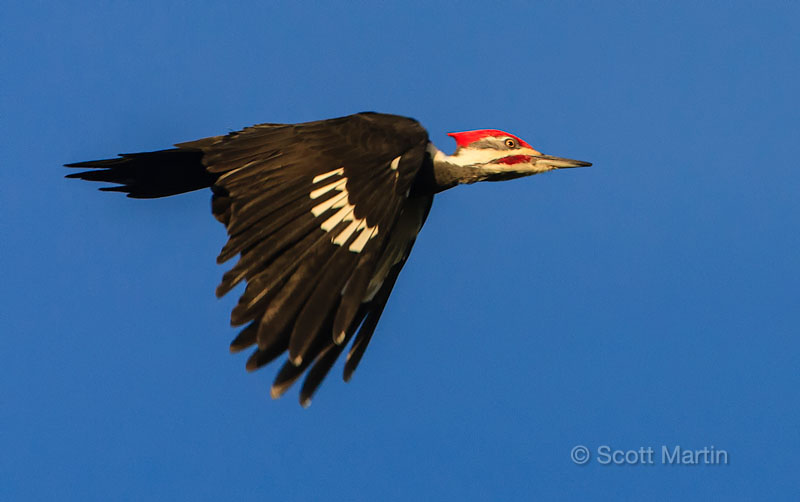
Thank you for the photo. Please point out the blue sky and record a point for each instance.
(649, 300)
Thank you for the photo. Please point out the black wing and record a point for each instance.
(321, 217)
(309, 209)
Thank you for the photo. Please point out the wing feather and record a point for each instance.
(374, 309)
(295, 199)
(283, 309)
(322, 366)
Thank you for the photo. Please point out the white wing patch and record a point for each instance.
(345, 211)
(327, 175)
(338, 185)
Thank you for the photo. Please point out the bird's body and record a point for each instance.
(323, 216)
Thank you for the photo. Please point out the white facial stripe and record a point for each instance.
(345, 212)
(466, 156)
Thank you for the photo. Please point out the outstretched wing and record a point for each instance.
(321, 218)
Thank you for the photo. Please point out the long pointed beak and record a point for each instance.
(561, 163)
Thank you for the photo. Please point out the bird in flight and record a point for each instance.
(322, 216)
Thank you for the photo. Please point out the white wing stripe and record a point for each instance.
(335, 201)
(341, 215)
(327, 175)
(347, 232)
(368, 233)
(345, 211)
(327, 188)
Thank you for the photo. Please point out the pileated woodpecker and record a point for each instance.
(323, 216)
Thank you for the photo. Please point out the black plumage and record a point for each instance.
(322, 217)
(306, 294)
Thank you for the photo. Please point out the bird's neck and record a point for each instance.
(451, 170)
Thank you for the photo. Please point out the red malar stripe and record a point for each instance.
(514, 159)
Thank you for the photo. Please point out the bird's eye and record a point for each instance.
(511, 143)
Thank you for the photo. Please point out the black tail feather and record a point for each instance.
(150, 175)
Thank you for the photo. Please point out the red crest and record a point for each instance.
(466, 138)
